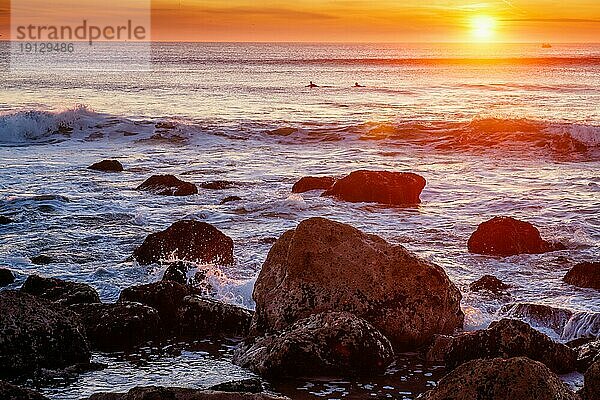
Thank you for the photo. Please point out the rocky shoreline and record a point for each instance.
(330, 300)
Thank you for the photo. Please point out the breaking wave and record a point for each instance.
(565, 139)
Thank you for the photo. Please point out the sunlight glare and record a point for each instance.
(483, 27)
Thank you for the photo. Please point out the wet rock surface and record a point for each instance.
(59, 291)
(587, 354)
(165, 296)
(501, 379)
(506, 236)
(489, 283)
(309, 183)
(38, 334)
(330, 343)
(168, 185)
(13, 392)
(187, 240)
(591, 388)
(384, 187)
(6, 277)
(201, 317)
(505, 338)
(118, 327)
(107, 166)
(230, 199)
(217, 185)
(324, 265)
(584, 275)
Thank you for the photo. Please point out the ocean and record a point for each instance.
(495, 129)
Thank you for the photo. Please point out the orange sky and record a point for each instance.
(366, 21)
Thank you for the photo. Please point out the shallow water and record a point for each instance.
(496, 137)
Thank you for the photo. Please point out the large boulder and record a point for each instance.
(187, 240)
(501, 379)
(330, 343)
(505, 338)
(107, 166)
(506, 236)
(200, 317)
(168, 185)
(324, 265)
(309, 183)
(165, 296)
(61, 292)
(591, 388)
(584, 275)
(6, 277)
(37, 334)
(12, 392)
(118, 327)
(173, 393)
(384, 187)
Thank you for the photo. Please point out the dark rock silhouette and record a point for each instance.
(59, 291)
(107, 166)
(168, 185)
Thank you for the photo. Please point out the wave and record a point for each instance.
(482, 133)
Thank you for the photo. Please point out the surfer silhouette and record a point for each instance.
(312, 85)
(358, 85)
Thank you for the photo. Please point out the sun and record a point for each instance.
(483, 27)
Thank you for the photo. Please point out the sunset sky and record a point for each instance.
(368, 21)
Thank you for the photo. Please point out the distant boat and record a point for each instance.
(546, 46)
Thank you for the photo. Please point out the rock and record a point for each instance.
(41, 260)
(61, 292)
(250, 385)
(37, 334)
(285, 131)
(584, 275)
(187, 240)
(107, 166)
(506, 236)
(393, 188)
(168, 185)
(5, 220)
(587, 354)
(165, 296)
(506, 338)
(200, 317)
(591, 388)
(230, 199)
(172, 393)
(539, 315)
(330, 343)
(501, 379)
(119, 327)
(6, 277)
(177, 272)
(309, 183)
(324, 265)
(489, 283)
(12, 392)
(217, 185)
